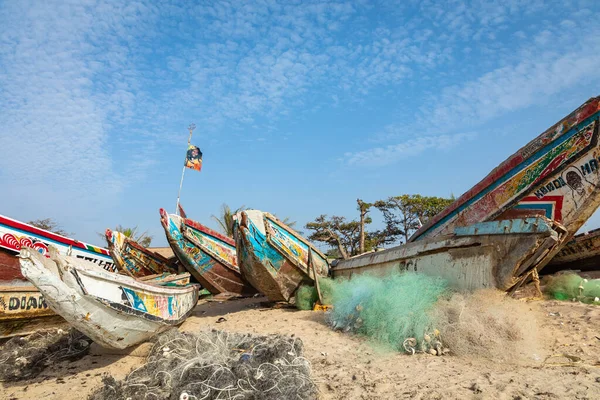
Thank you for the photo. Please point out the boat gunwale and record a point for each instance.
(510, 163)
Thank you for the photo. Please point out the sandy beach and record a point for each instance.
(347, 367)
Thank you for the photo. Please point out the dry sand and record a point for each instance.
(346, 367)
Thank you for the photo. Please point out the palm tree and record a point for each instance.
(142, 238)
(225, 219)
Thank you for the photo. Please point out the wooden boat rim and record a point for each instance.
(140, 285)
(506, 166)
(293, 233)
(18, 289)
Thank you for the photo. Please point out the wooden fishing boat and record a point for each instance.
(15, 235)
(495, 254)
(114, 310)
(209, 256)
(556, 175)
(274, 258)
(580, 254)
(22, 306)
(134, 259)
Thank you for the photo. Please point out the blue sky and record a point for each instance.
(300, 107)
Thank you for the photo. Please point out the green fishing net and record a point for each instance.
(306, 295)
(389, 309)
(571, 286)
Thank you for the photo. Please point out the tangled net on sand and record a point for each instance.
(25, 357)
(388, 310)
(570, 286)
(217, 365)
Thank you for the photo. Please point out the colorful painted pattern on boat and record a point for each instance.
(15, 235)
(285, 242)
(552, 176)
(165, 307)
(266, 254)
(220, 249)
(201, 261)
(131, 256)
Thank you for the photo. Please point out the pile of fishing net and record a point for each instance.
(416, 313)
(306, 296)
(25, 357)
(217, 365)
(570, 286)
(393, 311)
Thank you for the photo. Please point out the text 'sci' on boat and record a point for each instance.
(274, 258)
(114, 310)
(22, 307)
(494, 254)
(582, 253)
(134, 259)
(209, 256)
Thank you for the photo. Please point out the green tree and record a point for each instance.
(337, 232)
(225, 219)
(406, 213)
(49, 224)
(142, 238)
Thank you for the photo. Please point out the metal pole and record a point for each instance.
(191, 128)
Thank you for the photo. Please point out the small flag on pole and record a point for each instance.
(193, 158)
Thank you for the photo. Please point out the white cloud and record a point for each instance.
(381, 156)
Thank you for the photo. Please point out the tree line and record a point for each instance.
(402, 216)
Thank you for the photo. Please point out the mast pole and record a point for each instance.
(191, 129)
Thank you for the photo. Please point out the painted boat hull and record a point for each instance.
(22, 306)
(496, 254)
(210, 257)
(275, 259)
(15, 235)
(134, 259)
(115, 311)
(556, 175)
(582, 253)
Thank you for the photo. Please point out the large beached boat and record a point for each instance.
(274, 258)
(114, 310)
(556, 176)
(209, 256)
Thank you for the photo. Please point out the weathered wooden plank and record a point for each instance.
(275, 259)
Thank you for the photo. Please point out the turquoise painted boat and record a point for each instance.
(274, 258)
(209, 256)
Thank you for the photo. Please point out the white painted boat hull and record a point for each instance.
(115, 311)
(497, 254)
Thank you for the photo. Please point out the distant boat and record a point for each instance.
(209, 256)
(134, 259)
(274, 258)
(495, 254)
(581, 254)
(23, 309)
(114, 310)
(556, 175)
